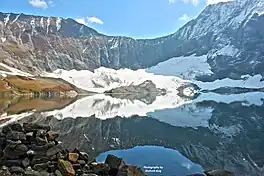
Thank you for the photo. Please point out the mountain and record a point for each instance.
(228, 35)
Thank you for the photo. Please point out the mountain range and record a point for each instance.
(229, 35)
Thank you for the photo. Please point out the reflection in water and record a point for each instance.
(166, 161)
(232, 138)
(215, 131)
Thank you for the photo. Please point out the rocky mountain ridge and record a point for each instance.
(230, 34)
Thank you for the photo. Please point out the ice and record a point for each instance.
(58, 23)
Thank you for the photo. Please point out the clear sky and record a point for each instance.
(134, 18)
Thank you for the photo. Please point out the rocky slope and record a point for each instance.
(230, 35)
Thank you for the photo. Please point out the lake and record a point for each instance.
(168, 135)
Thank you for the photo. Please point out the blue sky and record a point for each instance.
(134, 18)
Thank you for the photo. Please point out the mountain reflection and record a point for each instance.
(231, 138)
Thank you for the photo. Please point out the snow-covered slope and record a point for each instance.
(7, 70)
(103, 79)
(185, 67)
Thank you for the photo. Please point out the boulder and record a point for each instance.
(73, 157)
(130, 171)
(51, 135)
(10, 163)
(15, 135)
(32, 127)
(41, 141)
(14, 127)
(17, 170)
(218, 172)
(66, 168)
(114, 162)
(26, 162)
(100, 168)
(4, 171)
(41, 167)
(14, 152)
(54, 150)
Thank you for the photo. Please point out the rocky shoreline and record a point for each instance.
(33, 150)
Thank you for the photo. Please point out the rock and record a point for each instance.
(73, 157)
(58, 173)
(16, 169)
(76, 166)
(14, 127)
(41, 133)
(26, 162)
(130, 171)
(54, 150)
(84, 156)
(100, 168)
(4, 171)
(13, 152)
(41, 167)
(51, 135)
(15, 135)
(39, 160)
(66, 168)
(218, 172)
(32, 127)
(10, 163)
(31, 153)
(114, 162)
(81, 162)
(41, 141)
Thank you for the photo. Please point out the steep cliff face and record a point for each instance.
(230, 35)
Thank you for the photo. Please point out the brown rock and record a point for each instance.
(73, 157)
(66, 168)
(51, 135)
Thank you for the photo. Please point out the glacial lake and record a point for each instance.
(177, 135)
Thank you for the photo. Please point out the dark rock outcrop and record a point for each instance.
(29, 157)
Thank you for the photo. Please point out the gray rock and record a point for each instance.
(114, 162)
(41, 167)
(54, 150)
(15, 135)
(16, 169)
(26, 162)
(33, 127)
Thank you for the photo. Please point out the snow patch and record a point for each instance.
(12, 71)
(227, 51)
(48, 24)
(185, 67)
(260, 13)
(42, 22)
(58, 23)
(246, 82)
(3, 39)
(15, 19)
(13, 118)
(6, 19)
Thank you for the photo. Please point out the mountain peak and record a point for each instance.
(46, 25)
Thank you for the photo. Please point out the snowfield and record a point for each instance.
(103, 79)
(184, 67)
